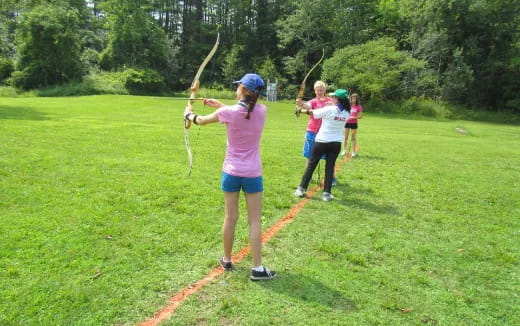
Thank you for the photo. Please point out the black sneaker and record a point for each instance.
(263, 275)
(227, 265)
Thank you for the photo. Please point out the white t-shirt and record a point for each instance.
(333, 122)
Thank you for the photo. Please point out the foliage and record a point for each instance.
(135, 38)
(6, 44)
(231, 66)
(413, 107)
(90, 60)
(215, 92)
(129, 81)
(469, 44)
(270, 73)
(143, 81)
(106, 83)
(469, 49)
(458, 78)
(374, 69)
(303, 31)
(6, 68)
(49, 47)
(420, 107)
(6, 91)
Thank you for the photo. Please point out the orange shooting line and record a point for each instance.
(177, 299)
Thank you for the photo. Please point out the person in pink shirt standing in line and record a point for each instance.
(356, 112)
(242, 167)
(314, 124)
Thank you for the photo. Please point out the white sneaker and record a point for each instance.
(353, 154)
(327, 196)
(299, 192)
(343, 153)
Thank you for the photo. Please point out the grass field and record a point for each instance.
(100, 225)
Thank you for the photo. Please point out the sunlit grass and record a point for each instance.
(100, 224)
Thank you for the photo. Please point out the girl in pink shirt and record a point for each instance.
(314, 124)
(242, 167)
(320, 101)
(356, 112)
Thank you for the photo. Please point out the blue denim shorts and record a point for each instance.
(309, 142)
(231, 183)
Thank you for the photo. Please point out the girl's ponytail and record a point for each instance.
(251, 98)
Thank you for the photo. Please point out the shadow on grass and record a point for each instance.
(355, 190)
(369, 206)
(21, 113)
(343, 199)
(309, 290)
(371, 158)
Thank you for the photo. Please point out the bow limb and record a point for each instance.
(196, 83)
(194, 89)
(302, 85)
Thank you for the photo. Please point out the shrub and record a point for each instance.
(129, 81)
(218, 93)
(23, 79)
(49, 47)
(106, 83)
(92, 84)
(6, 68)
(143, 81)
(8, 92)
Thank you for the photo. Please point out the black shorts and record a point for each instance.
(351, 125)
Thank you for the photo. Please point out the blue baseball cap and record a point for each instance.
(252, 82)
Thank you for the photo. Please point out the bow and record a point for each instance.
(302, 85)
(194, 88)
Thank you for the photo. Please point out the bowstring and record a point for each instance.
(194, 148)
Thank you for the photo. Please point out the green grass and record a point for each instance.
(100, 225)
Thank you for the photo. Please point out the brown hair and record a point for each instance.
(357, 101)
(250, 98)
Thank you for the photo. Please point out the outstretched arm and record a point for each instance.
(304, 110)
(200, 119)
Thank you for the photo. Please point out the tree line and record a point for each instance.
(461, 51)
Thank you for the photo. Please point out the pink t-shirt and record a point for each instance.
(243, 139)
(315, 124)
(355, 110)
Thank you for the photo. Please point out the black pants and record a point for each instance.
(331, 150)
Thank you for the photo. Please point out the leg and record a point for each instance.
(307, 146)
(353, 141)
(254, 213)
(345, 146)
(317, 152)
(332, 154)
(230, 221)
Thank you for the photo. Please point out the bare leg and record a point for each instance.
(230, 221)
(353, 140)
(345, 145)
(254, 213)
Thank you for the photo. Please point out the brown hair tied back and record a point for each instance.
(354, 99)
(251, 98)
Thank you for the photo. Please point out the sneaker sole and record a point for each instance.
(266, 278)
(224, 267)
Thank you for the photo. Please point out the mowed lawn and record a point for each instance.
(100, 224)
